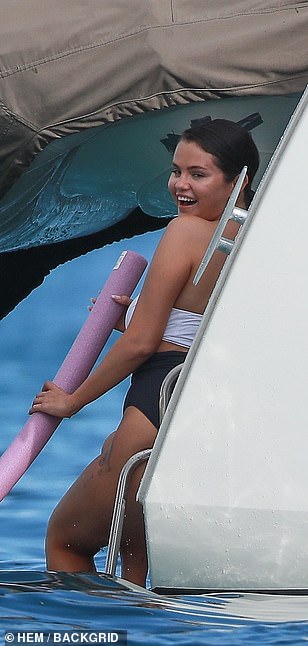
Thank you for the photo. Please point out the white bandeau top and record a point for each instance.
(181, 327)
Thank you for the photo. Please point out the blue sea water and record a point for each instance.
(34, 340)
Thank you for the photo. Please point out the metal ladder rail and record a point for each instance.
(167, 388)
(218, 242)
(117, 520)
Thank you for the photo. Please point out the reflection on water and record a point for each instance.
(64, 602)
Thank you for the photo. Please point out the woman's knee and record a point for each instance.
(55, 541)
(57, 531)
(72, 538)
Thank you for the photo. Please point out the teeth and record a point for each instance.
(181, 198)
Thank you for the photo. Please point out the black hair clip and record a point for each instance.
(252, 121)
(249, 123)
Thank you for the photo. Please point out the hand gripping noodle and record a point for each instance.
(75, 368)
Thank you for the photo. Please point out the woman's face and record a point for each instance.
(196, 183)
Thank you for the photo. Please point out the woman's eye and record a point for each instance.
(175, 171)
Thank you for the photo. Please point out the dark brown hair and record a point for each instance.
(232, 146)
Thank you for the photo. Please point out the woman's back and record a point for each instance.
(194, 298)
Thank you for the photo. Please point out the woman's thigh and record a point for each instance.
(82, 518)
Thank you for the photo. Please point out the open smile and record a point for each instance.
(185, 201)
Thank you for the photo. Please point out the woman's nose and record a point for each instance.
(182, 182)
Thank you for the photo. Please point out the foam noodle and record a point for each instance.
(74, 369)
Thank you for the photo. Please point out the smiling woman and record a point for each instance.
(207, 162)
(152, 343)
(197, 183)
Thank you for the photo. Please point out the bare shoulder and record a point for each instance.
(188, 228)
(184, 241)
(189, 223)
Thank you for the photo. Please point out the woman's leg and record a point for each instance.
(79, 527)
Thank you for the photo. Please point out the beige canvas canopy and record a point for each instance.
(69, 69)
(67, 65)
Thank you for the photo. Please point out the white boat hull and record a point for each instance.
(225, 493)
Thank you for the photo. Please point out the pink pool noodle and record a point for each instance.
(74, 369)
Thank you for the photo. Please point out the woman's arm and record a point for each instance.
(168, 273)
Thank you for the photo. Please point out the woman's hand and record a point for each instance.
(54, 401)
(93, 301)
(122, 300)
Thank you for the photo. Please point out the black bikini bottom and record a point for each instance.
(146, 382)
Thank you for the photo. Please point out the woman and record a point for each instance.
(163, 322)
